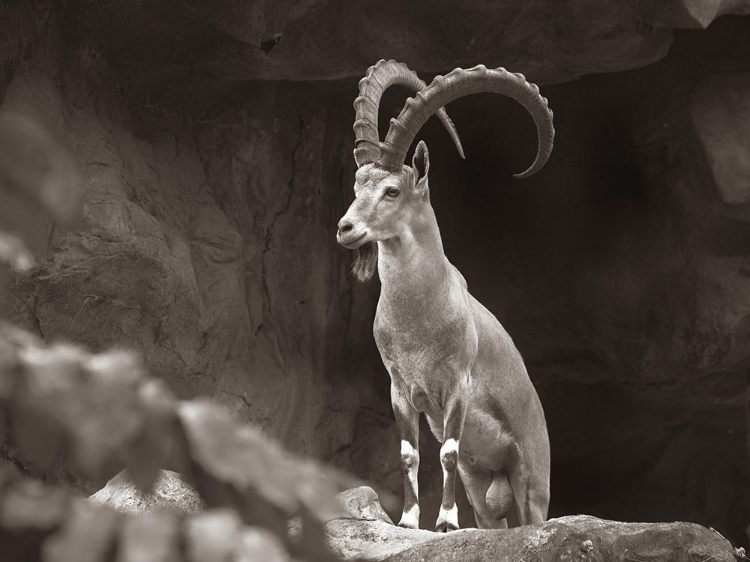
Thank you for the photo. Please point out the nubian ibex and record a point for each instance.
(446, 354)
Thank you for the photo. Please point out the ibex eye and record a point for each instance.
(392, 192)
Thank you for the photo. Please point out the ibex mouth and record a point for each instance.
(351, 243)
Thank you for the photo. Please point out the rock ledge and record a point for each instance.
(365, 532)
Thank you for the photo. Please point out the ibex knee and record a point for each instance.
(409, 456)
(449, 455)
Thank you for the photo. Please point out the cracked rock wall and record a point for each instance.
(208, 248)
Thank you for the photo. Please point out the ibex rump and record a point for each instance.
(446, 354)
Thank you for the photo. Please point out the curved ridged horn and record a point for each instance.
(381, 76)
(459, 83)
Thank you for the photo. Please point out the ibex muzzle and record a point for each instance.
(448, 357)
(385, 202)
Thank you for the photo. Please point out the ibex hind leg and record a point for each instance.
(531, 495)
(490, 499)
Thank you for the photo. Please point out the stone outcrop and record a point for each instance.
(364, 532)
(169, 492)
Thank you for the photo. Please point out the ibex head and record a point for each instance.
(388, 192)
(385, 203)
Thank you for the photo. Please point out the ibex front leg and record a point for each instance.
(453, 425)
(407, 420)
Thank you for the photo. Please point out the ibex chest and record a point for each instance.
(427, 355)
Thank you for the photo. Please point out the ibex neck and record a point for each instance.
(415, 261)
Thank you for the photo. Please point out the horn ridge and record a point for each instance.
(459, 83)
(378, 78)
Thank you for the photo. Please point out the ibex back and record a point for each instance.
(446, 354)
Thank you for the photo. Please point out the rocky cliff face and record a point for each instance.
(205, 258)
(213, 141)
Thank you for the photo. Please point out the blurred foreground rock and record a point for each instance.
(39, 522)
(170, 491)
(365, 532)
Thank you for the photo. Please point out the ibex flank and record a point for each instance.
(446, 354)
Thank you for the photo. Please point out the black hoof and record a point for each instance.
(445, 527)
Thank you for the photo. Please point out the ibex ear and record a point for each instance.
(420, 165)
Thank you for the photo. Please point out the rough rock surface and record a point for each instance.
(366, 533)
(210, 261)
(211, 45)
(169, 492)
(720, 107)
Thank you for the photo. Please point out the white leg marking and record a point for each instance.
(410, 465)
(449, 458)
(410, 462)
(410, 517)
(407, 449)
(448, 515)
